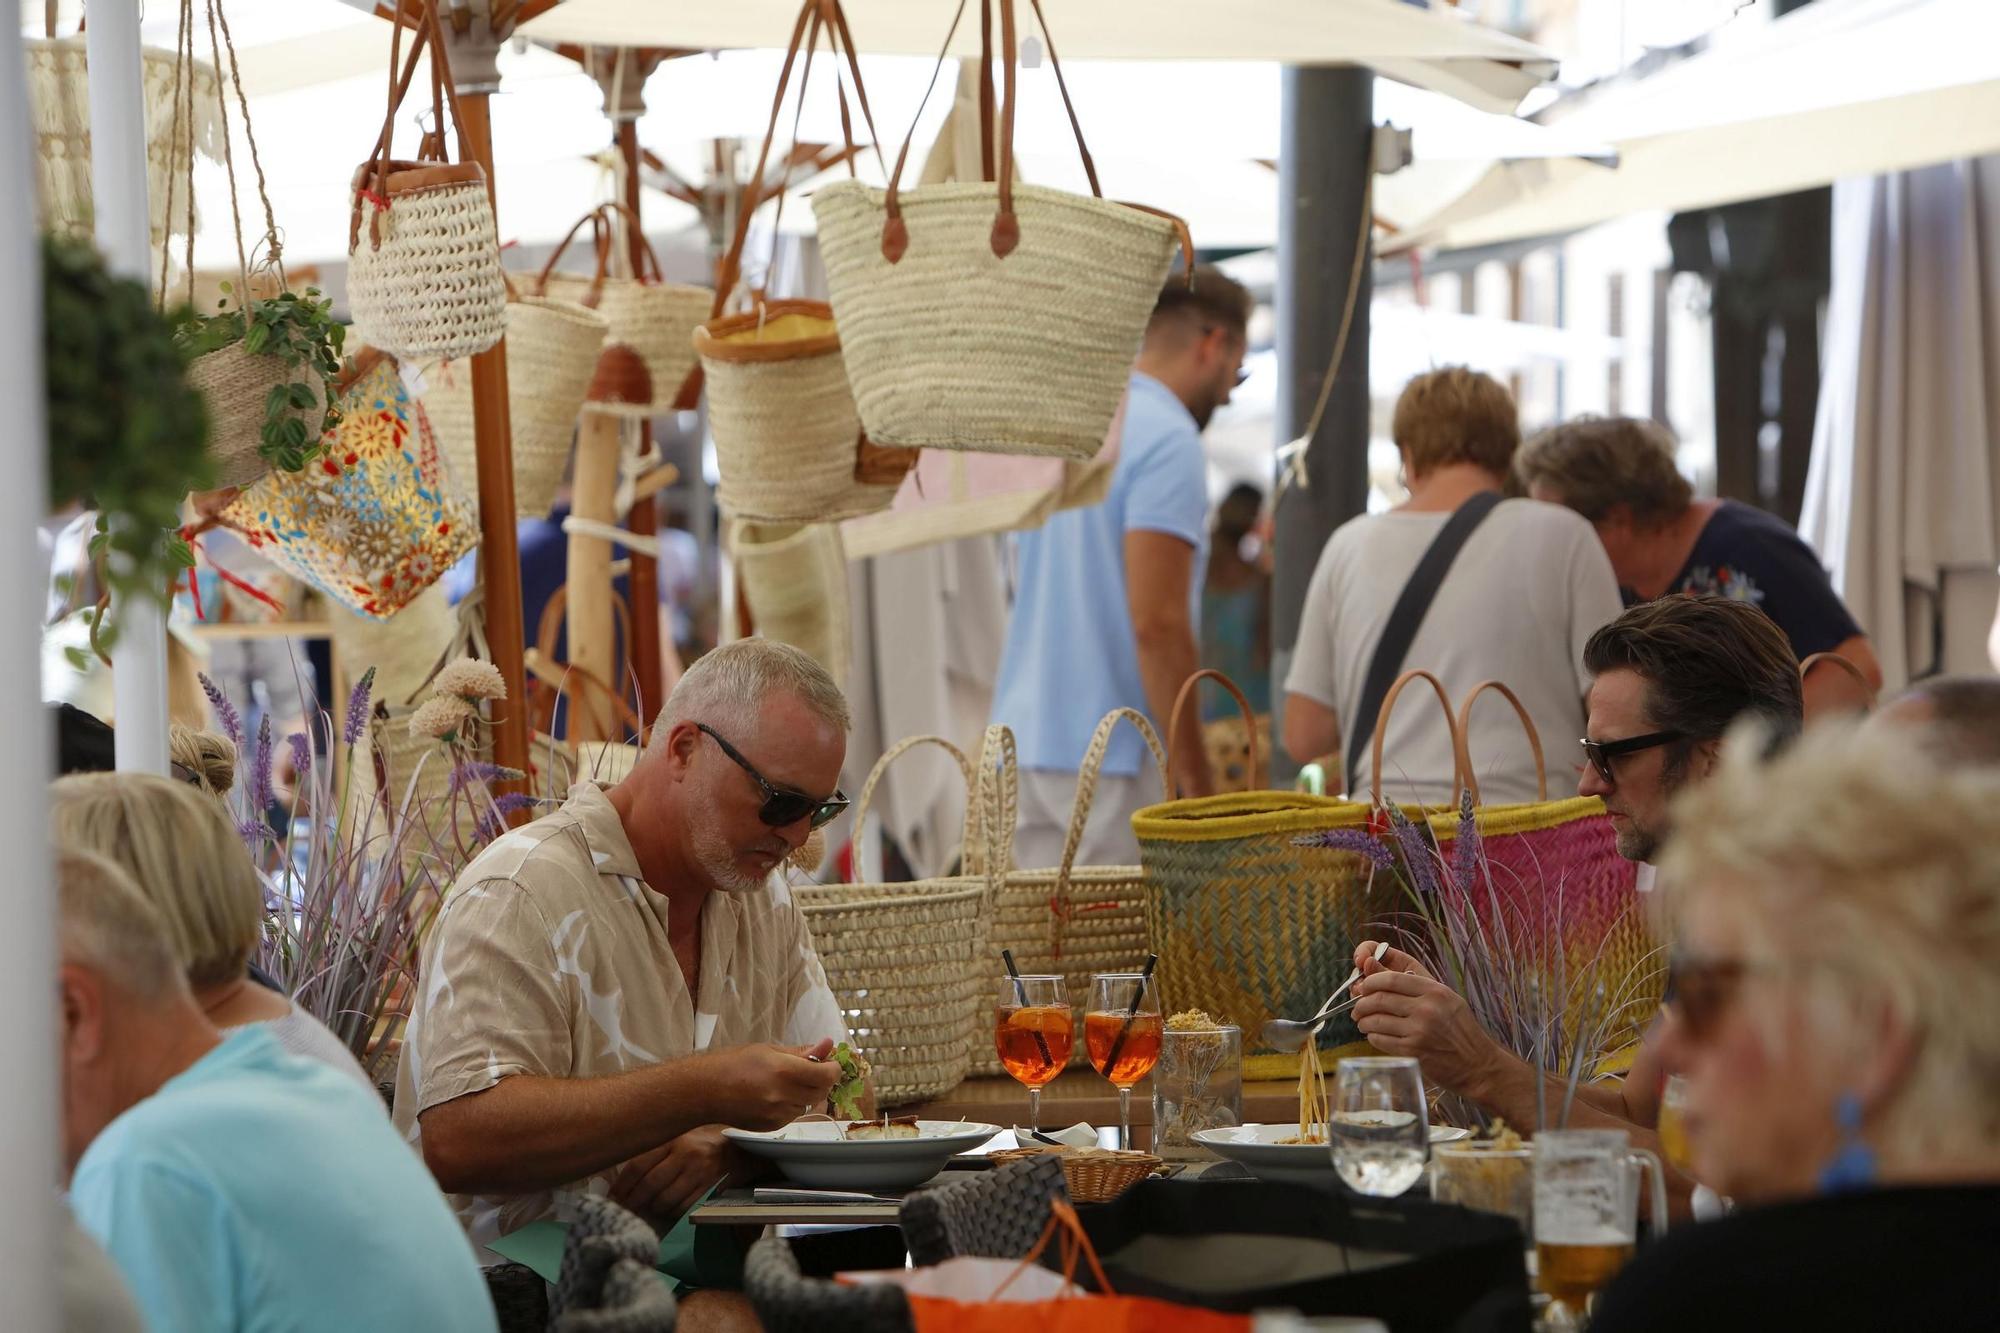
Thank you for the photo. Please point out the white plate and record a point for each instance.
(1256, 1148)
(812, 1152)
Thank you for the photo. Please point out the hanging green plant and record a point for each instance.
(277, 382)
(127, 436)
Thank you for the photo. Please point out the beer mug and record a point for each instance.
(1587, 1209)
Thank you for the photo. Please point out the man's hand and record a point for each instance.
(666, 1182)
(768, 1087)
(1393, 961)
(1406, 1012)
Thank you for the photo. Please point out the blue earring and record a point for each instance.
(1853, 1166)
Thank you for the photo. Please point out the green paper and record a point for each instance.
(690, 1256)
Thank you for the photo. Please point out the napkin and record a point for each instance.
(1076, 1136)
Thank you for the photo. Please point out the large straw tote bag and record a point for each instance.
(552, 349)
(1549, 881)
(794, 578)
(655, 318)
(371, 522)
(908, 963)
(991, 315)
(788, 440)
(423, 257)
(1071, 921)
(1249, 925)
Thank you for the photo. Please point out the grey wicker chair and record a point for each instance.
(788, 1302)
(997, 1214)
(520, 1298)
(633, 1299)
(602, 1235)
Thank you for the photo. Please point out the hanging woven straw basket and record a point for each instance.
(423, 271)
(234, 384)
(552, 350)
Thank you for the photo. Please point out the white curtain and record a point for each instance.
(1903, 499)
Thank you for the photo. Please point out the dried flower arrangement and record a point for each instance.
(1557, 1001)
(350, 890)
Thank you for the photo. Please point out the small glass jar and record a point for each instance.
(1476, 1174)
(1197, 1085)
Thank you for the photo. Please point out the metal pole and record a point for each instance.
(493, 435)
(28, 1139)
(124, 234)
(1322, 180)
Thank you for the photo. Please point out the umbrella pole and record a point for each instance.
(499, 552)
(643, 521)
(593, 491)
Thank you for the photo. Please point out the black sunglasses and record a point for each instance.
(1601, 753)
(782, 807)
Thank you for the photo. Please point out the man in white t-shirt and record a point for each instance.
(1523, 595)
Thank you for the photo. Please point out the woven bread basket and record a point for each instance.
(905, 961)
(1095, 1175)
(788, 440)
(233, 383)
(552, 348)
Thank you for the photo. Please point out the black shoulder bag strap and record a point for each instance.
(1405, 620)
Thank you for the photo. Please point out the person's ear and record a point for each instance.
(682, 742)
(1703, 759)
(81, 993)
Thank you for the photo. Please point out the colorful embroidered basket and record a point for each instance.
(373, 521)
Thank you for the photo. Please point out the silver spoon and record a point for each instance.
(1289, 1034)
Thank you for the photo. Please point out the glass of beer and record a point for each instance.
(1587, 1209)
(1380, 1127)
(1121, 1030)
(1034, 1033)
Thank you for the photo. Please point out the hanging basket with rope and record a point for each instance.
(261, 364)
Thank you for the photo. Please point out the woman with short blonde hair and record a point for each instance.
(177, 844)
(1836, 1014)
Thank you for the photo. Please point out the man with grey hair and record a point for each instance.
(217, 1170)
(608, 987)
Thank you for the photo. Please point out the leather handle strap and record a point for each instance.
(1461, 778)
(1527, 725)
(1867, 686)
(555, 256)
(1187, 694)
(444, 90)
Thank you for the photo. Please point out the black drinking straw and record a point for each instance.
(1021, 993)
(1138, 994)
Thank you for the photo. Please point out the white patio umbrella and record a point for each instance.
(1841, 88)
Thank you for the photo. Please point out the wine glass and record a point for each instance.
(1380, 1128)
(1034, 1032)
(1122, 1031)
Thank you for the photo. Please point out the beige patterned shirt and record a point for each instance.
(551, 958)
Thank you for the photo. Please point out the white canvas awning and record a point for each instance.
(1432, 48)
(1842, 88)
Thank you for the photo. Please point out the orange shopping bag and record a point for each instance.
(969, 1295)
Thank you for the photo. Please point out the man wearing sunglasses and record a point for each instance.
(1669, 678)
(608, 987)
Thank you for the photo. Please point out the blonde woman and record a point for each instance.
(177, 844)
(1836, 1014)
(203, 759)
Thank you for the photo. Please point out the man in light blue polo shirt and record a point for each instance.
(235, 1186)
(1107, 599)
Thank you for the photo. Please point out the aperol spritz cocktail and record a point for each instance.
(1034, 1032)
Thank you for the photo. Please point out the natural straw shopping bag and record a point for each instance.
(991, 315)
(653, 317)
(423, 258)
(1072, 921)
(1248, 925)
(788, 440)
(371, 522)
(794, 580)
(1549, 882)
(552, 350)
(907, 962)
